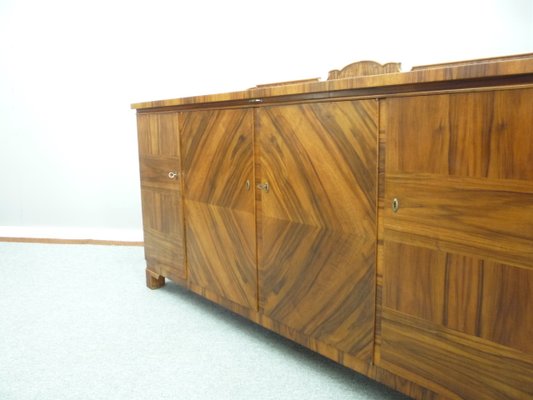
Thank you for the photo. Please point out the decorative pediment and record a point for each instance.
(364, 68)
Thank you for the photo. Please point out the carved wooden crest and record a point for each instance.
(364, 68)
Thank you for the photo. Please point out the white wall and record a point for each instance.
(70, 69)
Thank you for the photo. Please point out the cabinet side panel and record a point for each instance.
(158, 135)
(162, 202)
(163, 232)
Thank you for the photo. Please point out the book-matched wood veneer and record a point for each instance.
(384, 221)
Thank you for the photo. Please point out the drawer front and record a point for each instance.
(160, 173)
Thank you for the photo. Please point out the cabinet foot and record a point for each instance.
(154, 280)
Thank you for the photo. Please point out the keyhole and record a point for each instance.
(395, 205)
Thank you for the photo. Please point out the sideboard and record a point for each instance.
(383, 219)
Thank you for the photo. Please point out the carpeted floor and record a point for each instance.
(77, 322)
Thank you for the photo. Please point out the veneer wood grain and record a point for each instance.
(457, 258)
(457, 365)
(481, 135)
(490, 219)
(220, 224)
(383, 221)
(162, 200)
(317, 249)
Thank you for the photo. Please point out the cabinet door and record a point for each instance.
(162, 202)
(219, 203)
(318, 220)
(458, 251)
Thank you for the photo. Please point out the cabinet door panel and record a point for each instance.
(162, 201)
(458, 253)
(219, 205)
(317, 248)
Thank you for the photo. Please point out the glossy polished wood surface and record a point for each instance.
(218, 162)
(317, 248)
(159, 155)
(494, 69)
(285, 201)
(458, 253)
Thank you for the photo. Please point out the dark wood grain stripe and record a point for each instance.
(465, 367)
(221, 252)
(318, 221)
(220, 210)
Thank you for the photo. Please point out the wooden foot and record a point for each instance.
(154, 280)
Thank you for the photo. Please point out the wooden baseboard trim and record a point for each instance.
(70, 241)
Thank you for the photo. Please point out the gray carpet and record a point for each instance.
(77, 322)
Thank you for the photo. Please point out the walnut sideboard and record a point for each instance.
(383, 219)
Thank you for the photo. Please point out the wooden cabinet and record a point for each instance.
(384, 221)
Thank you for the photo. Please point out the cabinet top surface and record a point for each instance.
(484, 70)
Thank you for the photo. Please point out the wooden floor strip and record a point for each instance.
(71, 241)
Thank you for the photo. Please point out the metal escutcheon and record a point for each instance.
(263, 186)
(172, 175)
(395, 204)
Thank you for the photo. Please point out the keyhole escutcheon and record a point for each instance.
(395, 204)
